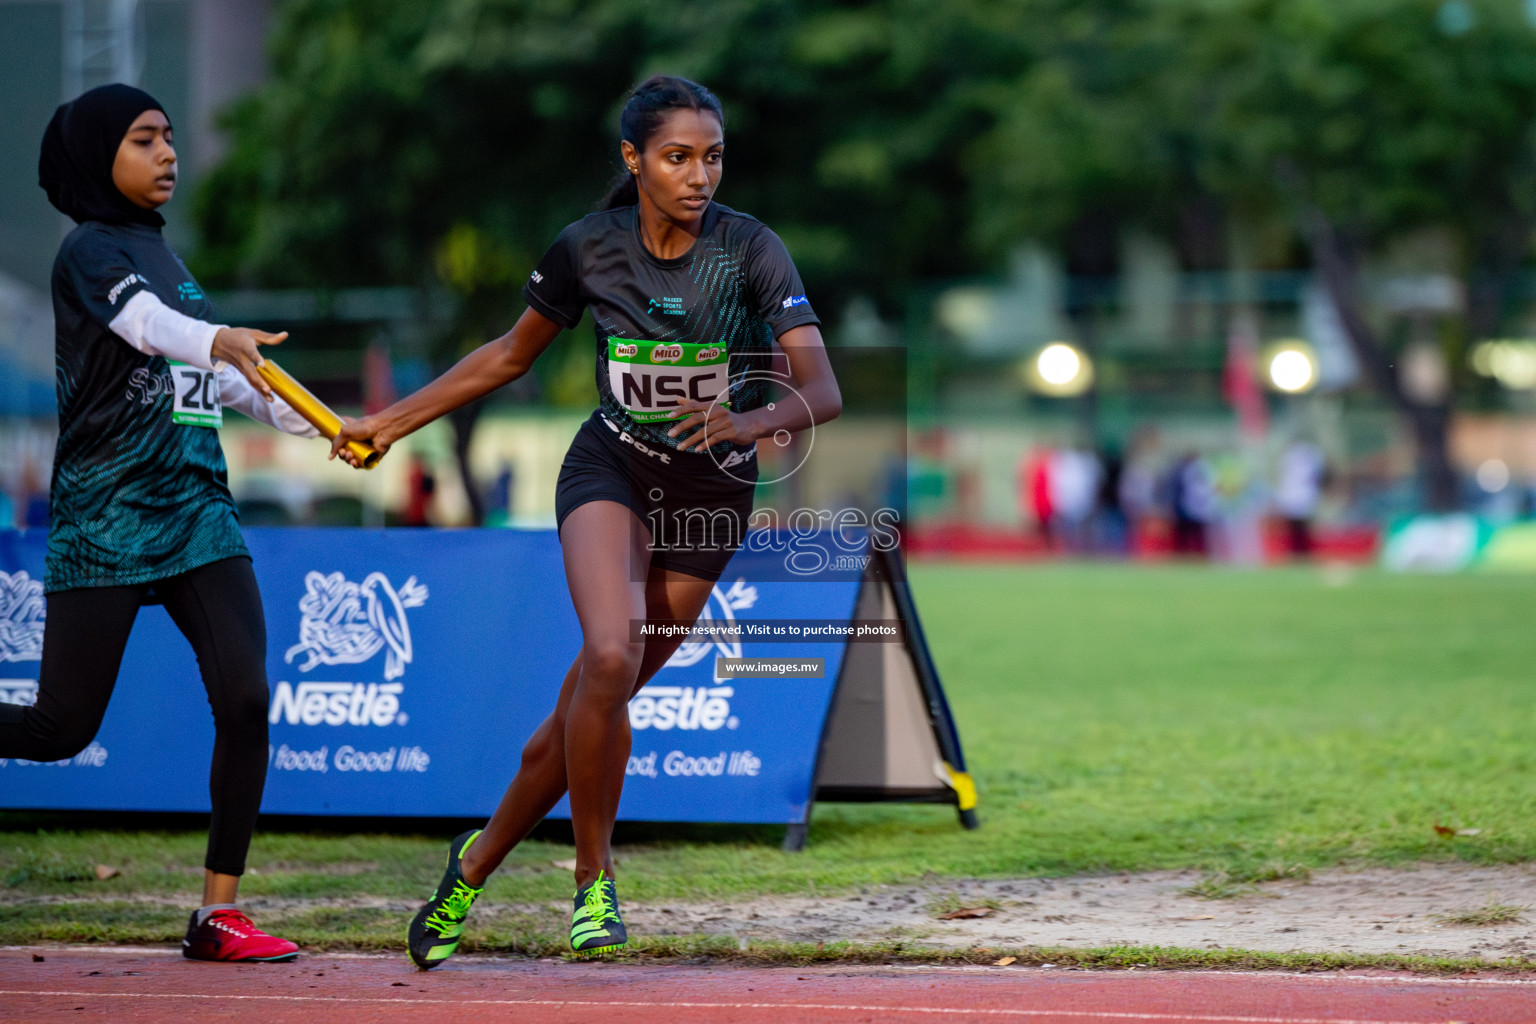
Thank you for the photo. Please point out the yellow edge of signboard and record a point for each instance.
(965, 789)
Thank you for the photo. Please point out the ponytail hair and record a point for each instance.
(643, 114)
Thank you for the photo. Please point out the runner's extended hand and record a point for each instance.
(240, 347)
(369, 430)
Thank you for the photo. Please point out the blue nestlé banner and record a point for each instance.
(407, 669)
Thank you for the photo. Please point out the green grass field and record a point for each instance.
(1114, 718)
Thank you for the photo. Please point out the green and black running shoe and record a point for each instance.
(436, 928)
(596, 926)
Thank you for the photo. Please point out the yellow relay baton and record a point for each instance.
(315, 411)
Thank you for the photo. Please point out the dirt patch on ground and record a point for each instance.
(1376, 910)
(1398, 911)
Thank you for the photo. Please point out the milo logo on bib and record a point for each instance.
(650, 379)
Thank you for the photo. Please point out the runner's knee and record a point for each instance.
(242, 706)
(611, 663)
(63, 740)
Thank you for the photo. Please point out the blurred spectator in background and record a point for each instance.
(1074, 487)
(1298, 489)
(893, 487)
(1035, 492)
(1138, 485)
(498, 497)
(378, 378)
(967, 492)
(34, 499)
(920, 488)
(420, 485)
(1192, 490)
(1110, 534)
(1237, 533)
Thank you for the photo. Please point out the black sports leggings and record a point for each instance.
(217, 607)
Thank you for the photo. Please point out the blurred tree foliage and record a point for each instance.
(408, 141)
(1354, 124)
(444, 143)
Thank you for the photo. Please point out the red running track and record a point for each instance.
(152, 985)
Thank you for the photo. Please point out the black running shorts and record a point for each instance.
(696, 505)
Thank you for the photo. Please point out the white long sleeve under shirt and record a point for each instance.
(156, 329)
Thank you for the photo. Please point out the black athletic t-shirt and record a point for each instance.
(135, 496)
(699, 326)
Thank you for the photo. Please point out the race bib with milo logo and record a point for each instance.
(650, 379)
(195, 401)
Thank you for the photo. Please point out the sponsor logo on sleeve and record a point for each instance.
(536, 277)
(118, 289)
(796, 300)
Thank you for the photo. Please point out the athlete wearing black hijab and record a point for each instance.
(140, 509)
(688, 298)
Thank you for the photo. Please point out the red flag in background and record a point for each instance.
(1240, 380)
(378, 379)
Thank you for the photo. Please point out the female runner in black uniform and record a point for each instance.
(140, 510)
(688, 298)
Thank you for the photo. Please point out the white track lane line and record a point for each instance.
(1036, 970)
(954, 1011)
(1319, 976)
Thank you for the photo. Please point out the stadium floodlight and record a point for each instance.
(1511, 362)
(1059, 370)
(1493, 475)
(1291, 366)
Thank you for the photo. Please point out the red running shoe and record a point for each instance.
(228, 935)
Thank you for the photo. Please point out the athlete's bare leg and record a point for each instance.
(600, 565)
(219, 888)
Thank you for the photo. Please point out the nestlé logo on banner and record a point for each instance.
(347, 623)
(22, 615)
(697, 707)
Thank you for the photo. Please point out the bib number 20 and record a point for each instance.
(196, 397)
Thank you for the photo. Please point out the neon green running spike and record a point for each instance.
(436, 928)
(595, 924)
